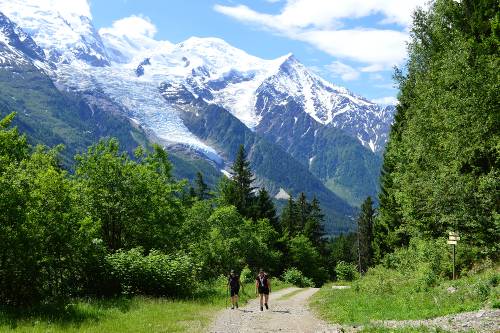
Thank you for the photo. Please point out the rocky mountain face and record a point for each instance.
(204, 97)
(53, 116)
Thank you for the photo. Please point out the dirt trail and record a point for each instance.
(284, 315)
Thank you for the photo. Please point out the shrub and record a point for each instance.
(246, 275)
(434, 255)
(346, 271)
(295, 277)
(155, 274)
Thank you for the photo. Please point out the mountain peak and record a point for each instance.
(62, 28)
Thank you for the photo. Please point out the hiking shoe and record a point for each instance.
(267, 308)
(232, 307)
(261, 308)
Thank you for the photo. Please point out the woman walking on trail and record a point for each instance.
(234, 283)
(263, 286)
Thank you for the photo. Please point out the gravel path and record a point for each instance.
(292, 314)
(284, 315)
(487, 320)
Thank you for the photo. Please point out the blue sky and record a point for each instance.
(353, 43)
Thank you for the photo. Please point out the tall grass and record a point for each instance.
(385, 294)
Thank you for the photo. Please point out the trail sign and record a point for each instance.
(453, 238)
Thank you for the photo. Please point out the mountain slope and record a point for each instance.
(274, 168)
(52, 117)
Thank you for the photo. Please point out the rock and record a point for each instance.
(451, 290)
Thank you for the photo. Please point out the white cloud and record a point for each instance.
(388, 100)
(320, 23)
(372, 68)
(376, 77)
(345, 72)
(134, 26)
(380, 49)
(130, 36)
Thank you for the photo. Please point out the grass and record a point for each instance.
(387, 295)
(127, 314)
(421, 329)
(291, 294)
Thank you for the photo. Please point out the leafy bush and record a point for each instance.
(295, 277)
(44, 238)
(246, 275)
(346, 271)
(155, 274)
(433, 254)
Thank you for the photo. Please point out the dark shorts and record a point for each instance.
(234, 291)
(264, 290)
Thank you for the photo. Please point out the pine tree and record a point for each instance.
(241, 184)
(365, 234)
(314, 225)
(303, 210)
(388, 228)
(201, 189)
(289, 218)
(264, 209)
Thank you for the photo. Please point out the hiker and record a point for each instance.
(234, 283)
(263, 286)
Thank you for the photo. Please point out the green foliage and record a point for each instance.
(306, 258)
(125, 225)
(343, 248)
(247, 276)
(264, 209)
(346, 271)
(365, 234)
(154, 274)
(239, 191)
(233, 242)
(135, 201)
(201, 189)
(294, 276)
(441, 167)
(44, 239)
(427, 259)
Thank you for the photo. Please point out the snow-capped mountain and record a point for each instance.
(16, 47)
(235, 80)
(329, 105)
(156, 83)
(64, 31)
(209, 67)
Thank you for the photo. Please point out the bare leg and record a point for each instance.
(261, 301)
(266, 299)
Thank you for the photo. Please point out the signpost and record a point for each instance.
(452, 240)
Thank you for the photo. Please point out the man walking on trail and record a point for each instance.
(263, 286)
(234, 284)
